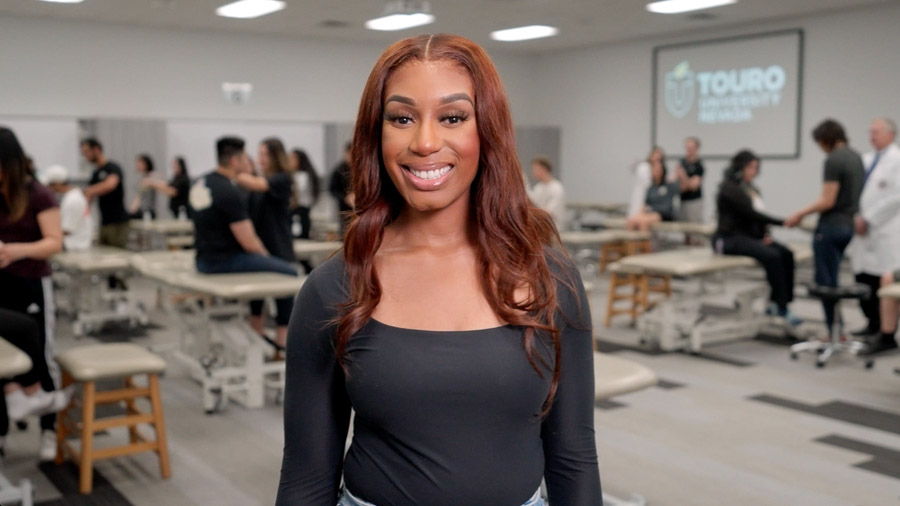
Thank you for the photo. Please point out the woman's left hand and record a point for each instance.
(11, 252)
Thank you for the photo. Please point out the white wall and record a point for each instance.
(600, 98)
(77, 69)
(48, 141)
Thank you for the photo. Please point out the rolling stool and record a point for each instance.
(88, 364)
(13, 362)
(826, 349)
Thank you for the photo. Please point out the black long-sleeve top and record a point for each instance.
(737, 215)
(442, 417)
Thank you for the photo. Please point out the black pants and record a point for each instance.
(776, 259)
(871, 307)
(32, 298)
(305, 227)
(23, 333)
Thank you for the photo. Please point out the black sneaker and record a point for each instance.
(881, 346)
(865, 331)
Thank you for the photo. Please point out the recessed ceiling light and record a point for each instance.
(524, 33)
(402, 14)
(679, 6)
(64, 1)
(246, 9)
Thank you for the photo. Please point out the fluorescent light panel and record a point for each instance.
(524, 33)
(246, 9)
(679, 6)
(64, 1)
(393, 22)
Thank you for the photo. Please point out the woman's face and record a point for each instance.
(294, 160)
(140, 165)
(263, 158)
(656, 157)
(429, 138)
(751, 170)
(176, 167)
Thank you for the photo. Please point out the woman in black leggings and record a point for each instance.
(30, 233)
(743, 229)
(24, 392)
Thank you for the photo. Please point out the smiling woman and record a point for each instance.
(452, 324)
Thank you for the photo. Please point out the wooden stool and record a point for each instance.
(613, 251)
(88, 364)
(638, 286)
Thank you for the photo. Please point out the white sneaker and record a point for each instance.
(20, 406)
(48, 446)
(17, 405)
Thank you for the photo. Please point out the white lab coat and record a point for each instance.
(642, 182)
(879, 251)
(551, 197)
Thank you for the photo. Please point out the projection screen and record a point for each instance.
(735, 93)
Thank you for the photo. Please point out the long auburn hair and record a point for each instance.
(510, 233)
(14, 175)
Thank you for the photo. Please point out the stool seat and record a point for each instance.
(617, 376)
(101, 361)
(832, 293)
(13, 361)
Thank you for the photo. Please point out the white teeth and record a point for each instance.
(429, 175)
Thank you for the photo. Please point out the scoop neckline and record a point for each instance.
(406, 329)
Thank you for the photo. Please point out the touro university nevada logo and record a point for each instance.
(723, 95)
(679, 91)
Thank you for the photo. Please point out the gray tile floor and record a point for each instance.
(775, 432)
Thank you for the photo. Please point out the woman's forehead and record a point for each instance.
(437, 77)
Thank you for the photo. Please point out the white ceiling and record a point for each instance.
(581, 22)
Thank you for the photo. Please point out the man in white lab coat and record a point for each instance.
(875, 248)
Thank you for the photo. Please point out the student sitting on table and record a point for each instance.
(659, 204)
(225, 238)
(743, 229)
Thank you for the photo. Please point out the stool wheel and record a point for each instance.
(820, 364)
(793, 356)
(870, 364)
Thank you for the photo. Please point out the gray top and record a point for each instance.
(845, 167)
(148, 199)
(661, 199)
(442, 417)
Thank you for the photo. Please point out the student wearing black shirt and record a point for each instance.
(177, 188)
(106, 185)
(270, 212)
(339, 187)
(842, 182)
(224, 236)
(453, 324)
(690, 177)
(743, 229)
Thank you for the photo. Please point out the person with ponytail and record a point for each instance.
(452, 323)
(743, 229)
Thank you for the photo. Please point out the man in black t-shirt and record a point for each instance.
(106, 186)
(690, 176)
(223, 233)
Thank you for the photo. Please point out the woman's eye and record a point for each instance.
(455, 119)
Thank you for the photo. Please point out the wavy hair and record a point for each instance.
(510, 233)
